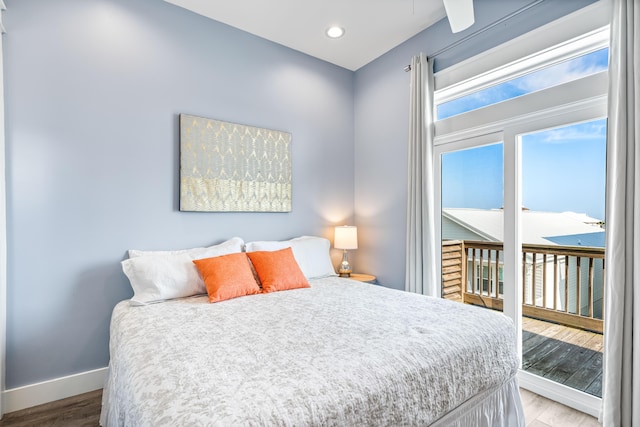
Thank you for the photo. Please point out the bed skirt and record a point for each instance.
(499, 407)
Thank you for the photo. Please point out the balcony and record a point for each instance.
(563, 303)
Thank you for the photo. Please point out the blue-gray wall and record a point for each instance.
(93, 93)
(382, 122)
(93, 89)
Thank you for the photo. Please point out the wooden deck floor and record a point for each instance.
(569, 356)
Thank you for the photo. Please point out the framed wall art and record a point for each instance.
(229, 167)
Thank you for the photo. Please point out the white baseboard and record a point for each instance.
(24, 397)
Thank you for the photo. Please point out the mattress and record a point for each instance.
(338, 353)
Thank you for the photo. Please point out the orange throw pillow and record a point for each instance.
(278, 270)
(227, 276)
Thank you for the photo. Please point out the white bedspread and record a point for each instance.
(339, 353)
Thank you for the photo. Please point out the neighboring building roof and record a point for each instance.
(537, 227)
(592, 240)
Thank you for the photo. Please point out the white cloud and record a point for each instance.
(558, 74)
(589, 131)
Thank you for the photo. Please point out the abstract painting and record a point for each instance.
(228, 167)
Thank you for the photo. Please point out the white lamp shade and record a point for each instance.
(346, 237)
(459, 13)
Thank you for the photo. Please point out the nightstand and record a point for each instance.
(363, 277)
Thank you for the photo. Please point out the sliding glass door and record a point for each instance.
(563, 236)
(522, 231)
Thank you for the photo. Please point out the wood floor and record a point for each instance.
(78, 411)
(541, 412)
(569, 356)
(84, 411)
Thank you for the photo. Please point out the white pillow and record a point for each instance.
(311, 254)
(232, 245)
(161, 275)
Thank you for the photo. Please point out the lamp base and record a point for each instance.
(344, 273)
(345, 267)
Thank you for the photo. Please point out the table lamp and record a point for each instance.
(346, 237)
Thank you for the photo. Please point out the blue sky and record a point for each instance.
(563, 169)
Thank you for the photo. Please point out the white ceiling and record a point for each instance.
(373, 27)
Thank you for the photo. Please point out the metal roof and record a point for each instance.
(541, 228)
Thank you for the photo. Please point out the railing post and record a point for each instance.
(556, 282)
(465, 265)
(497, 273)
(590, 296)
(481, 278)
(524, 277)
(473, 271)
(533, 279)
(489, 262)
(578, 286)
(544, 280)
(566, 283)
(604, 286)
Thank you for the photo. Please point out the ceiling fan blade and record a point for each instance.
(459, 13)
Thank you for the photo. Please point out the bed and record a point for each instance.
(337, 353)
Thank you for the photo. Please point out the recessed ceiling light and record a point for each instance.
(335, 32)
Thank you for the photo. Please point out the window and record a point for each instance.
(518, 145)
(553, 75)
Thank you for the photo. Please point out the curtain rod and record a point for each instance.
(481, 30)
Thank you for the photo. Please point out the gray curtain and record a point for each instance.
(420, 273)
(621, 388)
